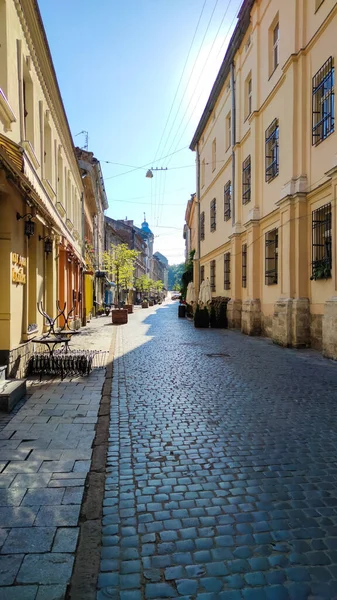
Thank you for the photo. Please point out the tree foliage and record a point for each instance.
(174, 276)
(119, 262)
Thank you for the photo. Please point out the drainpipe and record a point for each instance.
(233, 118)
(198, 213)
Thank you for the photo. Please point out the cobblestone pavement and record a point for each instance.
(221, 476)
(45, 452)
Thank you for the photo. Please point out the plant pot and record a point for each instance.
(119, 316)
(145, 305)
(129, 308)
(151, 303)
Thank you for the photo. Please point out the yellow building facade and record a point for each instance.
(266, 153)
(40, 189)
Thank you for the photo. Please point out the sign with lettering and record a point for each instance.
(19, 263)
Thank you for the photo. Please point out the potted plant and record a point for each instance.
(321, 269)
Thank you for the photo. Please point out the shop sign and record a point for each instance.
(19, 263)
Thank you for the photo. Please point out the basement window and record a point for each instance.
(271, 257)
(321, 243)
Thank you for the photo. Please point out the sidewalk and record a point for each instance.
(45, 455)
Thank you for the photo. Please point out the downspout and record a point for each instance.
(233, 118)
(198, 213)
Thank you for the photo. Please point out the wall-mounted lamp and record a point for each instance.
(29, 224)
(48, 244)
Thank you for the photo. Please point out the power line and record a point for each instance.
(142, 166)
(192, 71)
(203, 68)
(181, 76)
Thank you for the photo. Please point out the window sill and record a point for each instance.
(7, 116)
(69, 224)
(29, 150)
(272, 73)
(49, 188)
(60, 209)
(272, 178)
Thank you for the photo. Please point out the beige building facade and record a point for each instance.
(40, 189)
(266, 153)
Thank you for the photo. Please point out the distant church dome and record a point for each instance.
(145, 226)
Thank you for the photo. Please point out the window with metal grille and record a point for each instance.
(202, 226)
(271, 257)
(272, 151)
(227, 200)
(323, 102)
(213, 214)
(321, 243)
(244, 265)
(202, 274)
(212, 281)
(227, 271)
(246, 180)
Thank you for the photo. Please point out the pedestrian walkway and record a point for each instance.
(221, 475)
(45, 454)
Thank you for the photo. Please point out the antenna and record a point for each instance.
(86, 139)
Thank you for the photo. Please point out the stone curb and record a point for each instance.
(83, 583)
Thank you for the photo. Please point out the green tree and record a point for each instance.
(143, 283)
(120, 261)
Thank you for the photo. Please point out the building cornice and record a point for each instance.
(35, 35)
(233, 46)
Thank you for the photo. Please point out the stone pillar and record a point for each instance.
(251, 308)
(234, 308)
(251, 317)
(300, 323)
(329, 329)
(282, 321)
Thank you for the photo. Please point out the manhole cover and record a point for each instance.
(217, 354)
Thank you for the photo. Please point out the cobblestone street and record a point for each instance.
(221, 476)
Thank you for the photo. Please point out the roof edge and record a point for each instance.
(234, 44)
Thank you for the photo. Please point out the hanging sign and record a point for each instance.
(19, 263)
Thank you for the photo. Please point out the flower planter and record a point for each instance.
(151, 303)
(129, 308)
(119, 316)
(145, 305)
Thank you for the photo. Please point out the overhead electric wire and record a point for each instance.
(180, 80)
(192, 71)
(141, 167)
(197, 83)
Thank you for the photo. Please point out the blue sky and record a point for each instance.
(136, 75)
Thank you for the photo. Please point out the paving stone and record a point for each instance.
(9, 566)
(39, 497)
(46, 568)
(29, 540)
(19, 592)
(51, 592)
(11, 497)
(17, 516)
(58, 516)
(65, 539)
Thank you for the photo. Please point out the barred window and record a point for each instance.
(213, 283)
(272, 151)
(321, 243)
(244, 265)
(213, 215)
(202, 273)
(271, 258)
(227, 271)
(246, 181)
(202, 226)
(227, 200)
(323, 102)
